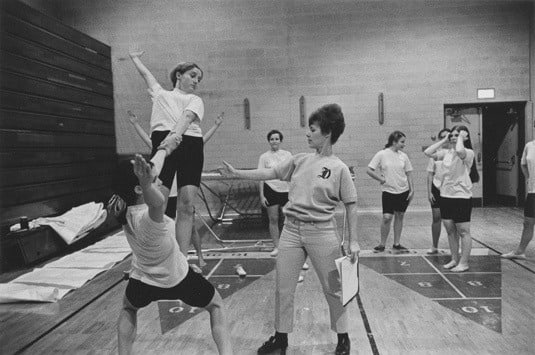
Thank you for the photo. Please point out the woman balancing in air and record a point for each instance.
(177, 143)
(393, 169)
(172, 201)
(459, 171)
(159, 269)
(318, 182)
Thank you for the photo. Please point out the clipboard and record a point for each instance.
(349, 278)
(349, 272)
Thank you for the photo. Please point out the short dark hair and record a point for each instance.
(394, 137)
(181, 68)
(330, 119)
(272, 132)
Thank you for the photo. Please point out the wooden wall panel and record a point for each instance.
(57, 132)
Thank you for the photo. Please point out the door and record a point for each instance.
(469, 116)
(507, 160)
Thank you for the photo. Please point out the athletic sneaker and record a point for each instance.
(400, 248)
(305, 266)
(240, 271)
(301, 278)
(432, 251)
(512, 255)
(379, 249)
(274, 253)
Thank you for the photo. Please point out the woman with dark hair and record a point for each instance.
(434, 181)
(318, 182)
(393, 169)
(175, 121)
(456, 193)
(273, 193)
(159, 270)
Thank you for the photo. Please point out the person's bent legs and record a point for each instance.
(273, 215)
(453, 242)
(126, 327)
(218, 324)
(184, 216)
(463, 232)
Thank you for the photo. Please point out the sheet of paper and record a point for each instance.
(349, 277)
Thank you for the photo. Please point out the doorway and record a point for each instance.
(497, 132)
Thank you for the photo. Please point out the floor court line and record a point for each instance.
(500, 253)
(445, 278)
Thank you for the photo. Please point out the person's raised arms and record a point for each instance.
(152, 195)
(214, 128)
(150, 80)
(432, 149)
(139, 130)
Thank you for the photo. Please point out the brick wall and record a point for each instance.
(421, 55)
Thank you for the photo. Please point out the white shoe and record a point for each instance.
(301, 278)
(275, 252)
(305, 266)
(512, 255)
(240, 271)
(432, 251)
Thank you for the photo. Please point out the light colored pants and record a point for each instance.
(321, 243)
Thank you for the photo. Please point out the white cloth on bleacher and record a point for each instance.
(13, 292)
(77, 222)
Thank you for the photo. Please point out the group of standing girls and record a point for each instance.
(451, 171)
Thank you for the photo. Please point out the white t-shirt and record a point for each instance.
(317, 184)
(435, 166)
(168, 107)
(528, 158)
(394, 167)
(156, 257)
(456, 182)
(269, 160)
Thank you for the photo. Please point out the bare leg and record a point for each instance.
(273, 214)
(218, 323)
(527, 235)
(453, 242)
(463, 230)
(196, 239)
(126, 327)
(385, 227)
(435, 227)
(398, 226)
(184, 216)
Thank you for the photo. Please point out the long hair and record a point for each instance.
(474, 175)
(394, 137)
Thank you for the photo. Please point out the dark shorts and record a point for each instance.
(529, 207)
(186, 161)
(395, 202)
(194, 290)
(273, 197)
(170, 210)
(436, 194)
(458, 210)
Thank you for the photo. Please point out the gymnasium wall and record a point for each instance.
(419, 54)
(57, 137)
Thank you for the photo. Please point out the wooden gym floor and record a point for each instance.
(408, 304)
